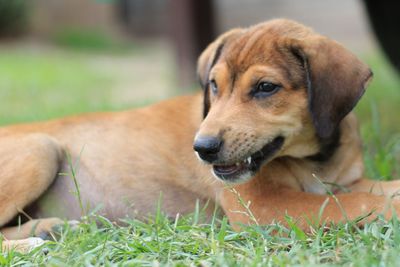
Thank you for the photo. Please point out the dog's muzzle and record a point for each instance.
(242, 170)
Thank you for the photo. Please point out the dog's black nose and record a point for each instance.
(207, 147)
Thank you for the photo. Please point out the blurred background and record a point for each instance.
(62, 57)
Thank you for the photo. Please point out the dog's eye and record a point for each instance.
(214, 87)
(265, 89)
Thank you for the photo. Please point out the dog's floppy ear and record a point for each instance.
(336, 79)
(211, 55)
(208, 59)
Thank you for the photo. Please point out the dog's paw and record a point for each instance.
(53, 228)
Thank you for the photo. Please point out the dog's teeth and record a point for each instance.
(248, 160)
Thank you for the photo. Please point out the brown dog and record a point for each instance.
(273, 125)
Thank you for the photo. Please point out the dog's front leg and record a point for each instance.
(249, 204)
(386, 188)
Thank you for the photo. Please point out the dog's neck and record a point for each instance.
(328, 147)
(342, 165)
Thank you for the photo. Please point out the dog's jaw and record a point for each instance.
(243, 170)
(240, 179)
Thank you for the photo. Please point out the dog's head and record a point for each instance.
(271, 90)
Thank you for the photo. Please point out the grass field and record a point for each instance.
(37, 86)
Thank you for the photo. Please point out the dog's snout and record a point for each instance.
(207, 147)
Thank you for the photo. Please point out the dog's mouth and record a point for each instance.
(243, 170)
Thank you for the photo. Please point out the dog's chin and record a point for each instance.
(242, 171)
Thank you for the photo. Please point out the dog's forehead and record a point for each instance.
(250, 48)
(261, 43)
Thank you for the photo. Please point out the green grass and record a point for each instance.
(186, 242)
(88, 41)
(380, 125)
(35, 88)
(382, 97)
